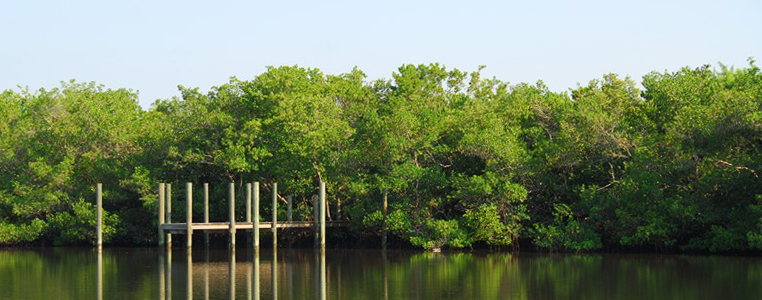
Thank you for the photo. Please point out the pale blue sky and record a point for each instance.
(152, 46)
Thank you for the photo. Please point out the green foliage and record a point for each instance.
(565, 233)
(14, 234)
(78, 226)
(465, 160)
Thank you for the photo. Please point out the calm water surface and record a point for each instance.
(65, 273)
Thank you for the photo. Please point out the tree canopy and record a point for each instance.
(671, 164)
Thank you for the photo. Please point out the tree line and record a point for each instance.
(671, 165)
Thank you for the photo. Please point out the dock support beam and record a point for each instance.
(169, 213)
(161, 214)
(206, 212)
(256, 216)
(99, 215)
(189, 215)
(275, 215)
(322, 215)
(231, 209)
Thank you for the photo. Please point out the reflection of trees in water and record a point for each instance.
(359, 274)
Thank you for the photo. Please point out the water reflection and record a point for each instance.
(65, 273)
(251, 272)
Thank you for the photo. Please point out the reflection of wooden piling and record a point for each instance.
(385, 276)
(231, 273)
(99, 274)
(189, 273)
(161, 214)
(231, 210)
(206, 212)
(323, 286)
(322, 215)
(169, 213)
(274, 273)
(255, 226)
(255, 280)
(169, 274)
(248, 283)
(206, 276)
(99, 215)
(162, 287)
(275, 215)
(189, 215)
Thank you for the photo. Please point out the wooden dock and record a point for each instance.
(252, 223)
(181, 228)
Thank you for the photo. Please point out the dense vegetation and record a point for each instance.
(466, 161)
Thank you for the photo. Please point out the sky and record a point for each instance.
(154, 46)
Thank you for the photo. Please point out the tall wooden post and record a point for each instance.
(248, 209)
(189, 215)
(248, 203)
(275, 215)
(316, 219)
(322, 215)
(169, 213)
(206, 212)
(231, 209)
(161, 214)
(383, 223)
(99, 215)
(256, 216)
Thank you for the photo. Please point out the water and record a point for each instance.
(65, 273)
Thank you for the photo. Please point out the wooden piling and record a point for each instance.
(383, 222)
(256, 216)
(206, 212)
(248, 203)
(231, 210)
(316, 219)
(248, 209)
(161, 213)
(275, 215)
(322, 215)
(99, 215)
(189, 215)
(169, 213)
